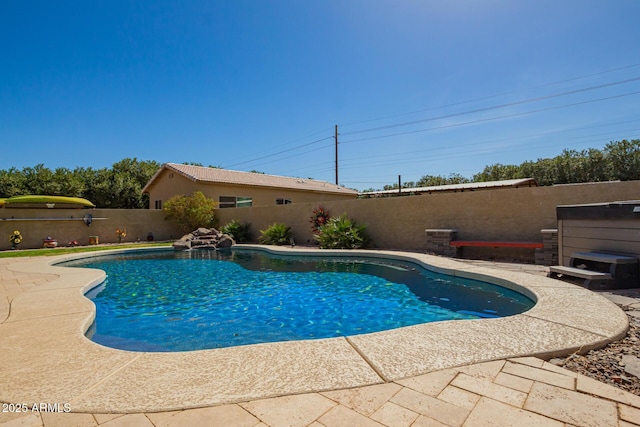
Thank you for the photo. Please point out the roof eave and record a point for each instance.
(169, 166)
(166, 166)
(149, 183)
(314, 190)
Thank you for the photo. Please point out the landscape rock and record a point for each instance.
(225, 241)
(205, 232)
(631, 365)
(182, 245)
(618, 363)
(204, 238)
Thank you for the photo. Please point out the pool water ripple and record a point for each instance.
(201, 300)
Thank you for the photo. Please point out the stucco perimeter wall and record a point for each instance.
(400, 222)
(66, 225)
(392, 223)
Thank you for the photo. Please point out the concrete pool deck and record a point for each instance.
(451, 372)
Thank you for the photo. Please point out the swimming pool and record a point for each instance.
(179, 301)
(58, 363)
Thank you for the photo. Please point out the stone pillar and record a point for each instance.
(438, 241)
(548, 255)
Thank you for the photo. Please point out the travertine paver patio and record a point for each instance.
(518, 391)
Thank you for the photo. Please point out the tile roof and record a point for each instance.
(207, 174)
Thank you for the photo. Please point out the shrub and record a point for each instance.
(342, 233)
(15, 238)
(191, 212)
(239, 231)
(276, 234)
(319, 218)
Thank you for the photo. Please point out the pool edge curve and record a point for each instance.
(49, 358)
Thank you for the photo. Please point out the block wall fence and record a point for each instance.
(66, 225)
(517, 214)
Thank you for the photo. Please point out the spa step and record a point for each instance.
(579, 272)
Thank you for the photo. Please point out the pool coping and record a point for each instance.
(45, 356)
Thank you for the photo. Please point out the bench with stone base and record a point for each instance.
(495, 244)
(601, 270)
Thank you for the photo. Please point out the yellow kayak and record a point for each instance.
(48, 201)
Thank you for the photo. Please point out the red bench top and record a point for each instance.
(460, 243)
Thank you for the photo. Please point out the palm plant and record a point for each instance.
(342, 233)
(276, 234)
(240, 232)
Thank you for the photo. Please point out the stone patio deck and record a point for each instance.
(470, 373)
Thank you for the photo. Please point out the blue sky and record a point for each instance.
(417, 87)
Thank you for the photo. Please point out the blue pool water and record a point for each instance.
(180, 301)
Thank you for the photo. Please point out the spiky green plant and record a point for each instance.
(240, 232)
(276, 234)
(342, 233)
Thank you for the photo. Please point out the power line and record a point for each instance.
(440, 127)
(482, 153)
(434, 155)
(294, 155)
(281, 152)
(491, 96)
(493, 118)
(298, 147)
(493, 107)
(431, 149)
(477, 152)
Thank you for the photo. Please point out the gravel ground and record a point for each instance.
(618, 363)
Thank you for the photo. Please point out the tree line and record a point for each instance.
(618, 160)
(121, 185)
(117, 187)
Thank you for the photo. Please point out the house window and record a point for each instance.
(244, 202)
(226, 202)
(234, 202)
(283, 201)
(158, 204)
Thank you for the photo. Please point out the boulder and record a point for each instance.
(204, 238)
(226, 241)
(204, 232)
(182, 245)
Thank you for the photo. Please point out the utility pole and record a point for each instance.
(336, 136)
(399, 184)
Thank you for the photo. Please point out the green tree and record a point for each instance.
(596, 166)
(68, 183)
(534, 169)
(431, 180)
(117, 187)
(623, 158)
(191, 212)
(39, 180)
(97, 186)
(11, 183)
(129, 176)
(497, 172)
